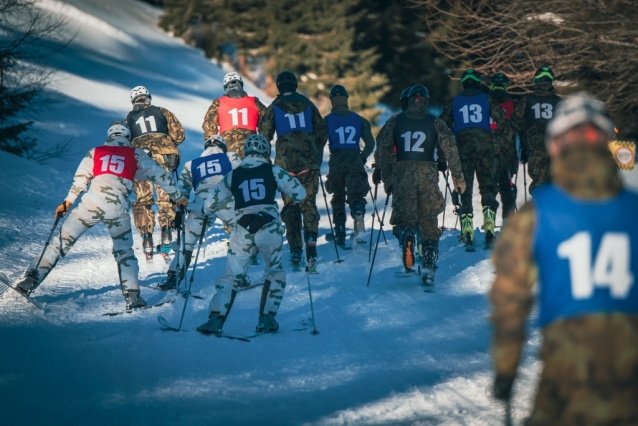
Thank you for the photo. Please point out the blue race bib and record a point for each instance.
(470, 111)
(344, 132)
(210, 165)
(587, 254)
(286, 122)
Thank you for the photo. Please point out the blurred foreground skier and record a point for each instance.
(110, 170)
(201, 175)
(578, 238)
(253, 186)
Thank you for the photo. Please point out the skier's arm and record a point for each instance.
(220, 196)
(261, 111)
(186, 180)
(147, 169)
(175, 129)
(289, 185)
(82, 177)
(446, 115)
(447, 142)
(321, 132)
(368, 139)
(517, 120)
(211, 120)
(499, 117)
(385, 154)
(511, 294)
(267, 123)
(234, 159)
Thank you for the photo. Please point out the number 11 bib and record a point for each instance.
(587, 254)
(286, 122)
(237, 113)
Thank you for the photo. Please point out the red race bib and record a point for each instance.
(239, 113)
(508, 107)
(115, 160)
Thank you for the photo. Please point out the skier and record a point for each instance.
(201, 175)
(578, 238)
(158, 132)
(530, 119)
(468, 114)
(413, 179)
(347, 178)
(253, 186)
(234, 116)
(301, 137)
(110, 170)
(507, 158)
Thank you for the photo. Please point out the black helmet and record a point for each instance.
(419, 90)
(471, 75)
(286, 82)
(544, 74)
(403, 99)
(338, 90)
(499, 81)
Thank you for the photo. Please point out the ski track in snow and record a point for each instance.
(389, 354)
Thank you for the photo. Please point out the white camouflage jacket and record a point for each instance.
(221, 197)
(111, 193)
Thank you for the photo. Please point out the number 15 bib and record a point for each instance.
(115, 160)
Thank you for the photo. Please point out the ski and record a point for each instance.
(128, 311)
(248, 287)
(407, 273)
(4, 280)
(345, 246)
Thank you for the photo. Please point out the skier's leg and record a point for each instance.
(467, 211)
(242, 244)
(165, 217)
(77, 222)
(405, 214)
(143, 214)
(290, 217)
(357, 188)
(269, 242)
(486, 176)
(335, 184)
(431, 203)
(128, 268)
(308, 207)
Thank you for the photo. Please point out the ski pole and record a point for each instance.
(181, 236)
(55, 224)
(443, 228)
(303, 249)
(325, 199)
(525, 181)
(190, 284)
(376, 246)
(374, 204)
(508, 414)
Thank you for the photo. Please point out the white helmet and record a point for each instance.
(216, 140)
(138, 92)
(118, 128)
(578, 109)
(231, 77)
(256, 144)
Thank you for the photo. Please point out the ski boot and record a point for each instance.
(147, 245)
(488, 226)
(295, 258)
(311, 251)
(165, 248)
(29, 283)
(359, 228)
(245, 282)
(467, 231)
(267, 324)
(171, 276)
(133, 299)
(214, 325)
(430, 250)
(340, 231)
(408, 247)
(254, 260)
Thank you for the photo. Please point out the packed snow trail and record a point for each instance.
(387, 354)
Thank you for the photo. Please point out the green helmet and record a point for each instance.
(338, 90)
(471, 75)
(499, 81)
(544, 74)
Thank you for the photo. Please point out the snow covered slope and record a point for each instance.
(386, 354)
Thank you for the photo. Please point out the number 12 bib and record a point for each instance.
(344, 132)
(587, 254)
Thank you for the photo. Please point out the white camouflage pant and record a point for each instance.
(243, 244)
(78, 221)
(193, 228)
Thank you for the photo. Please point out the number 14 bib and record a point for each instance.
(587, 254)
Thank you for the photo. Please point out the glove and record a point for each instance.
(61, 210)
(376, 176)
(524, 155)
(388, 189)
(182, 202)
(460, 186)
(441, 166)
(364, 159)
(503, 388)
(177, 222)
